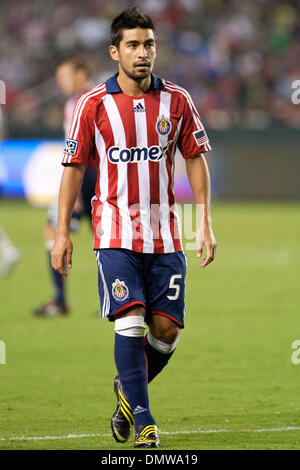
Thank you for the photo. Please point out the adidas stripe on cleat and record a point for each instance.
(146, 436)
(122, 419)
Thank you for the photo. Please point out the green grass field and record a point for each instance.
(231, 383)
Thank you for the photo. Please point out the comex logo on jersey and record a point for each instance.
(138, 154)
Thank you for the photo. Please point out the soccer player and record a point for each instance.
(133, 123)
(73, 78)
(9, 254)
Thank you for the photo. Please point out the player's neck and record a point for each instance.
(133, 87)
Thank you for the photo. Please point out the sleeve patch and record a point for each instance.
(71, 147)
(200, 137)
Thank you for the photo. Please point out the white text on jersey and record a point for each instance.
(136, 154)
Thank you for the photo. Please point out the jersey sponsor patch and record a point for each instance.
(119, 290)
(137, 154)
(71, 146)
(200, 137)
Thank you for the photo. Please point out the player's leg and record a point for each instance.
(57, 304)
(57, 281)
(160, 344)
(166, 309)
(131, 364)
(122, 301)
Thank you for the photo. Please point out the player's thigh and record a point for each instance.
(132, 311)
(120, 282)
(165, 287)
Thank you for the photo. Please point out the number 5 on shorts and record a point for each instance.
(175, 286)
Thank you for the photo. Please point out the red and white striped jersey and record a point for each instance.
(134, 140)
(68, 112)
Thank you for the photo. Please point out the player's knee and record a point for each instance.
(169, 336)
(130, 325)
(165, 345)
(164, 330)
(131, 322)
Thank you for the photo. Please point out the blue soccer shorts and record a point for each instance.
(155, 281)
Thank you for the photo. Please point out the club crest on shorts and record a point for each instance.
(163, 125)
(119, 290)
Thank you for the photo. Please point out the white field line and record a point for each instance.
(172, 433)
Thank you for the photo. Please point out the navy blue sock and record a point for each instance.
(131, 366)
(58, 283)
(156, 360)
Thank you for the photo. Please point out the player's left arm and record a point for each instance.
(198, 174)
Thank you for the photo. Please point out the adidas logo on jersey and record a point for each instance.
(139, 108)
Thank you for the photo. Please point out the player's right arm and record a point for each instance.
(69, 190)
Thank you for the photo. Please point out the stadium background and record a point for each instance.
(238, 60)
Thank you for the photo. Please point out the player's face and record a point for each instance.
(136, 53)
(65, 77)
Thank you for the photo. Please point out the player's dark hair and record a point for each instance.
(78, 62)
(129, 19)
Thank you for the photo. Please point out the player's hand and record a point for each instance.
(206, 239)
(62, 249)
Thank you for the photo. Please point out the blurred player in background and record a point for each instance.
(73, 76)
(133, 124)
(9, 254)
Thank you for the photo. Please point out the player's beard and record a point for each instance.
(136, 74)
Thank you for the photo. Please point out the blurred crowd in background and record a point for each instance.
(237, 58)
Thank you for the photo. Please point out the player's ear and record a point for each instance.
(114, 53)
